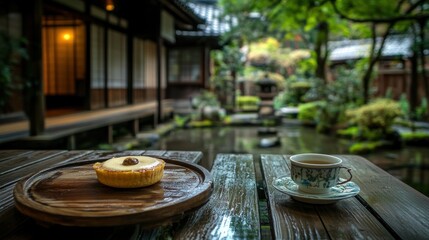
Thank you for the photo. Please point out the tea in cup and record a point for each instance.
(316, 173)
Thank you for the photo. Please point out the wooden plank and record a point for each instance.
(232, 212)
(13, 222)
(402, 208)
(11, 219)
(346, 219)
(23, 161)
(14, 169)
(194, 157)
(8, 154)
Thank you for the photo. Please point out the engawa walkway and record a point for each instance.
(67, 124)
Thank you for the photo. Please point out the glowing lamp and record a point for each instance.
(109, 5)
(67, 36)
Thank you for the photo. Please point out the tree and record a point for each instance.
(383, 16)
(313, 21)
(228, 63)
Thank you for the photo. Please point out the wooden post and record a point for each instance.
(71, 142)
(106, 61)
(135, 127)
(110, 134)
(33, 93)
(88, 55)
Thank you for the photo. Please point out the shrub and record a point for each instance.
(422, 110)
(308, 111)
(248, 103)
(328, 116)
(379, 114)
(205, 98)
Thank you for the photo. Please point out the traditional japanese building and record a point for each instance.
(95, 55)
(87, 55)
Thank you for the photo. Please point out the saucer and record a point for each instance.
(343, 191)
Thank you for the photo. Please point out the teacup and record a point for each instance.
(316, 173)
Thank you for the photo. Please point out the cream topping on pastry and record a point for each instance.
(118, 163)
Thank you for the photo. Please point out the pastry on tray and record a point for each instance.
(130, 171)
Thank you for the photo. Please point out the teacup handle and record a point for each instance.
(349, 170)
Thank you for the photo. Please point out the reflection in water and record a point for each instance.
(409, 164)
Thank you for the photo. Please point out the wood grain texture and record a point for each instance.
(232, 212)
(16, 168)
(346, 219)
(32, 161)
(71, 195)
(402, 208)
(8, 154)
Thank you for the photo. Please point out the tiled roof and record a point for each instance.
(186, 8)
(356, 49)
(213, 26)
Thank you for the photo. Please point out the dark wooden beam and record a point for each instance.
(34, 96)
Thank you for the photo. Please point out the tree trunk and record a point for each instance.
(321, 49)
(422, 24)
(374, 56)
(413, 85)
(234, 81)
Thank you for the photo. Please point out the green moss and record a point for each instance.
(181, 121)
(269, 122)
(301, 85)
(365, 147)
(351, 132)
(199, 124)
(248, 103)
(227, 120)
(415, 136)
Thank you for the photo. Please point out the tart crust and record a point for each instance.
(113, 173)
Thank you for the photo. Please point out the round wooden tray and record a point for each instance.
(71, 195)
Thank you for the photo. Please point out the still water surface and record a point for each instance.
(409, 164)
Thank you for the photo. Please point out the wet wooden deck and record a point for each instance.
(385, 207)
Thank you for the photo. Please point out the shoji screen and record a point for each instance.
(116, 68)
(97, 67)
(138, 70)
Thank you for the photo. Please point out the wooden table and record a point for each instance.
(243, 195)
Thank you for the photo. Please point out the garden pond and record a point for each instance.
(409, 164)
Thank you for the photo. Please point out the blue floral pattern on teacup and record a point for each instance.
(315, 178)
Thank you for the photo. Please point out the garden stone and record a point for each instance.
(269, 142)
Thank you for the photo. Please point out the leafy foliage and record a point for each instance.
(228, 62)
(308, 111)
(205, 98)
(11, 52)
(336, 97)
(379, 114)
(420, 113)
(248, 103)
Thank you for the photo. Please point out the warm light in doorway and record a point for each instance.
(67, 36)
(109, 5)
